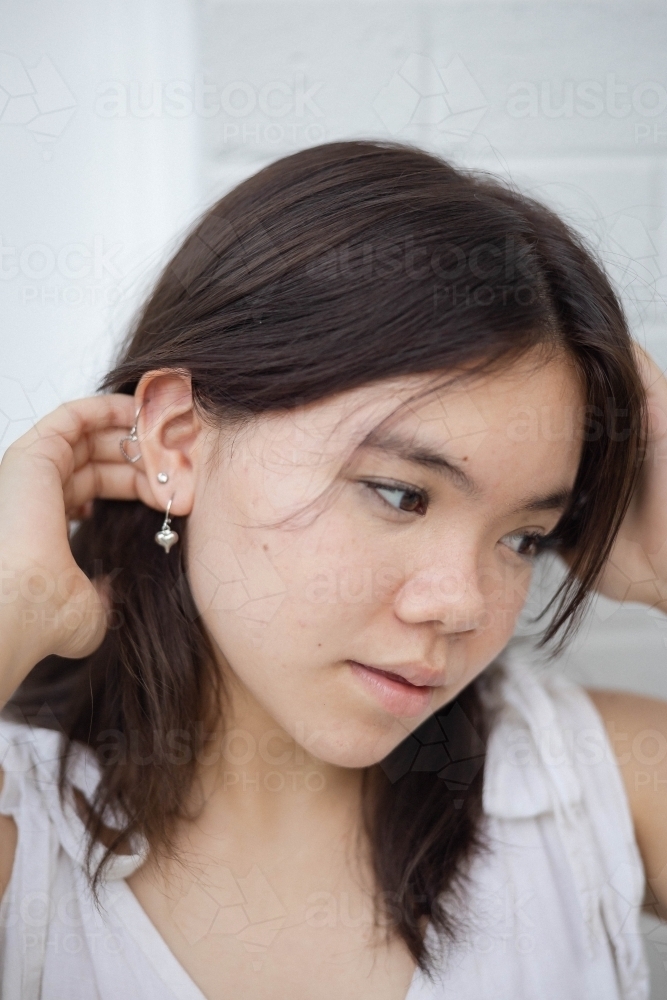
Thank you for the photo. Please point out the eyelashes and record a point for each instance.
(413, 500)
(533, 538)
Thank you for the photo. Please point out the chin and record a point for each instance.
(362, 747)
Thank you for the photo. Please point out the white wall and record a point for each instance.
(88, 201)
(569, 99)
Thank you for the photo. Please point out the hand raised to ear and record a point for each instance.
(48, 477)
(636, 569)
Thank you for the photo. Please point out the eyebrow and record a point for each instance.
(393, 444)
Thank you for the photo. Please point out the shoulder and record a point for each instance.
(637, 730)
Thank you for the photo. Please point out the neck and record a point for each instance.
(254, 779)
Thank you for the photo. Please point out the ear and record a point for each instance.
(170, 436)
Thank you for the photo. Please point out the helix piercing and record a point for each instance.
(132, 436)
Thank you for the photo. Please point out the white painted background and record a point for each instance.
(120, 122)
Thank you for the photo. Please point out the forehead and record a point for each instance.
(527, 420)
(498, 433)
(546, 395)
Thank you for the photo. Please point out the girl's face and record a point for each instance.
(367, 536)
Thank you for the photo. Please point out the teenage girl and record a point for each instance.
(267, 733)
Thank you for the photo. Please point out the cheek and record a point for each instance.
(335, 580)
(234, 583)
(258, 586)
(342, 576)
(505, 591)
(504, 583)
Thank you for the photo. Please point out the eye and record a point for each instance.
(528, 543)
(402, 498)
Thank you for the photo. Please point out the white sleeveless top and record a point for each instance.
(551, 912)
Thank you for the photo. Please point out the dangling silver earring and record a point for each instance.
(165, 536)
(132, 436)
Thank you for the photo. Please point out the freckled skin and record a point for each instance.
(291, 552)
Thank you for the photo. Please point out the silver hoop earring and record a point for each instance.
(132, 436)
(165, 536)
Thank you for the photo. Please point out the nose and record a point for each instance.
(447, 592)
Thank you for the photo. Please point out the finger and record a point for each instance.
(54, 436)
(89, 414)
(109, 481)
(103, 446)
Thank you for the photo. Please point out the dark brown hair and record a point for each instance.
(337, 266)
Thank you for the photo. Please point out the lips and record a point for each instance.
(396, 693)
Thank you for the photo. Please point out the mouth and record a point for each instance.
(396, 694)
